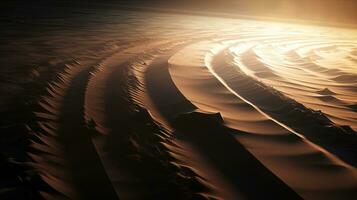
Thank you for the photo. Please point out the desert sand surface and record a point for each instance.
(149, 105)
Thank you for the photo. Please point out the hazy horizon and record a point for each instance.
(325, 11)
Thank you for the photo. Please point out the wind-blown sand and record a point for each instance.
(166, 106)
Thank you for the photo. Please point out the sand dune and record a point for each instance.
(264, 137)
(191, 107)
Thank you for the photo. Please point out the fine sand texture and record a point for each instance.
(142, 105)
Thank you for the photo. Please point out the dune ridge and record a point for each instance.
(313, 125)
(144, 141)
(264, 131)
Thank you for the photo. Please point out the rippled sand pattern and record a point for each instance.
(163, 106)
(313, 66)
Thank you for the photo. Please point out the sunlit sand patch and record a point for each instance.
(302, 65)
